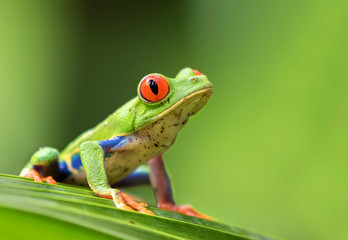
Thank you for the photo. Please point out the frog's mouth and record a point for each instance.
(189, 105)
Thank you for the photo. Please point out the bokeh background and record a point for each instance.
(268, 153)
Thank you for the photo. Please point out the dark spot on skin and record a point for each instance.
(132, 222)
(163, 145)
(140, 160)
(156, 144)
(168, 100)
(180, 113)
(126, 169)
(109, 154)
(175, 124)
(184, 122)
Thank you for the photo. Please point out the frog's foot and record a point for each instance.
(31, 173)
(184, 209)
(123, 201)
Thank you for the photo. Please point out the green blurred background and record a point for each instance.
(269, 152)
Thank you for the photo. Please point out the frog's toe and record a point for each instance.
(183, 209)
(31, 173)
(49, 180)
(119, 201)
(125, 202)
(140, 207)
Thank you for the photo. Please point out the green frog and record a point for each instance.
(127, 147)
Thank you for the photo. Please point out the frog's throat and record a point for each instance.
(203, 95)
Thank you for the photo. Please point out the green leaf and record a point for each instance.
(66, 212)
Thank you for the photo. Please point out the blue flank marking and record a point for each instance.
(63, 167)
(113, 143)
(76, 161)
(107, 145)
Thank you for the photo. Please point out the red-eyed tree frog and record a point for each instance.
(127, 147)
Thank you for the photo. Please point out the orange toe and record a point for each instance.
(37, 177)
(141, 207)
(50, 180)
(185, 209)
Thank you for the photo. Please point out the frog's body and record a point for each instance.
(134, 134)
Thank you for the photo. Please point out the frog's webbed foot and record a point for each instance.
(31, 173)
(140, 207)
(125, 202)
(184, 209)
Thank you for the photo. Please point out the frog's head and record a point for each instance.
(179, 97)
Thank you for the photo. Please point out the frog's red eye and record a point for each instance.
(196, 72)
(153, 88)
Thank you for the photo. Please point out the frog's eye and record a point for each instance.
(196, 72)
(153, 88)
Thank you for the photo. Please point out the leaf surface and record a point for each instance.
(71, 210)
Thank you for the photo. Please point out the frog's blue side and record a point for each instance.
(76, 161)
(73, 162)
(63, 167)
(112, 144)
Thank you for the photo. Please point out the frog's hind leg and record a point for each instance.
(43, 166)
(161, 184)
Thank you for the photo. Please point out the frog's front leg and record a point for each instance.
(161, 185)
(92, 157)
(43, 166)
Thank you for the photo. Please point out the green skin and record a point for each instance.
(149, 129)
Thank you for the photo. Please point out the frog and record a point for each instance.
(126, 148)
